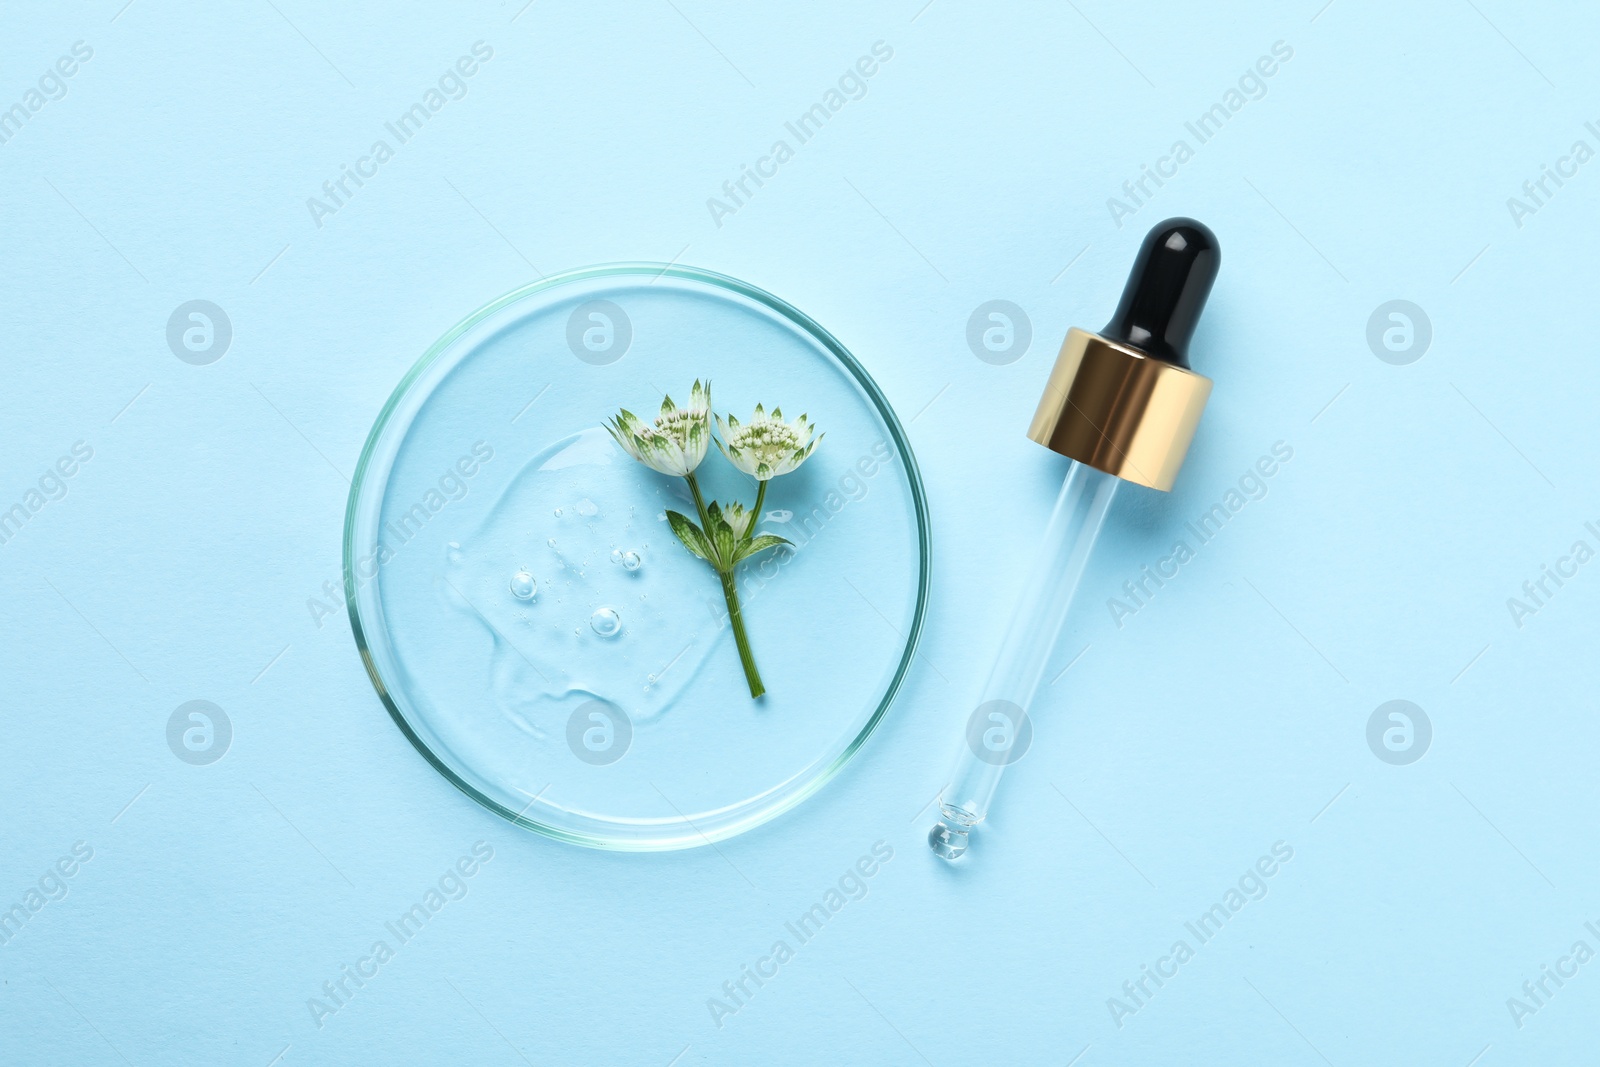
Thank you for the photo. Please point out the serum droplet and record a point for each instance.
(523, 585)
(616, 555)
(558, 513)
(631, 561)
(587, 507)
(605, 622)
(452, 551)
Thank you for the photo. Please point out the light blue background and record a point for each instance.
(1228, 715)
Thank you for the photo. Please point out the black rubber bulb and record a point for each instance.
(1167, 290)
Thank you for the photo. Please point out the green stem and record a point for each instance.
(751, 676)
(755, 512)
(730, 595)
(699, 502)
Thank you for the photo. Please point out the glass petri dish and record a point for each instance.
(533, 626)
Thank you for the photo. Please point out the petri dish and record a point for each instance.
(530, 621)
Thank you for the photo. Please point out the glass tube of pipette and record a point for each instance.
(995, 736)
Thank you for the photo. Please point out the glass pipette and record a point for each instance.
(1123, 406)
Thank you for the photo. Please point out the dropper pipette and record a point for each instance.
(1123, 405)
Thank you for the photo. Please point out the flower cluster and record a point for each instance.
(765, 447)
(678, 440)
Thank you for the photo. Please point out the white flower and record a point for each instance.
(766, 446)
(738, 519)
(677, 442)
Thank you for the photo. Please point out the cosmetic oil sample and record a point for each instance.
(580, 617)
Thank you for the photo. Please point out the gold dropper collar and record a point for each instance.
(1119, 410)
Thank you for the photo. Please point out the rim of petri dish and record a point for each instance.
(775, 804)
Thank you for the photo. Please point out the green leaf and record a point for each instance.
(691, 536)
(723, 542)
(760, 544)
